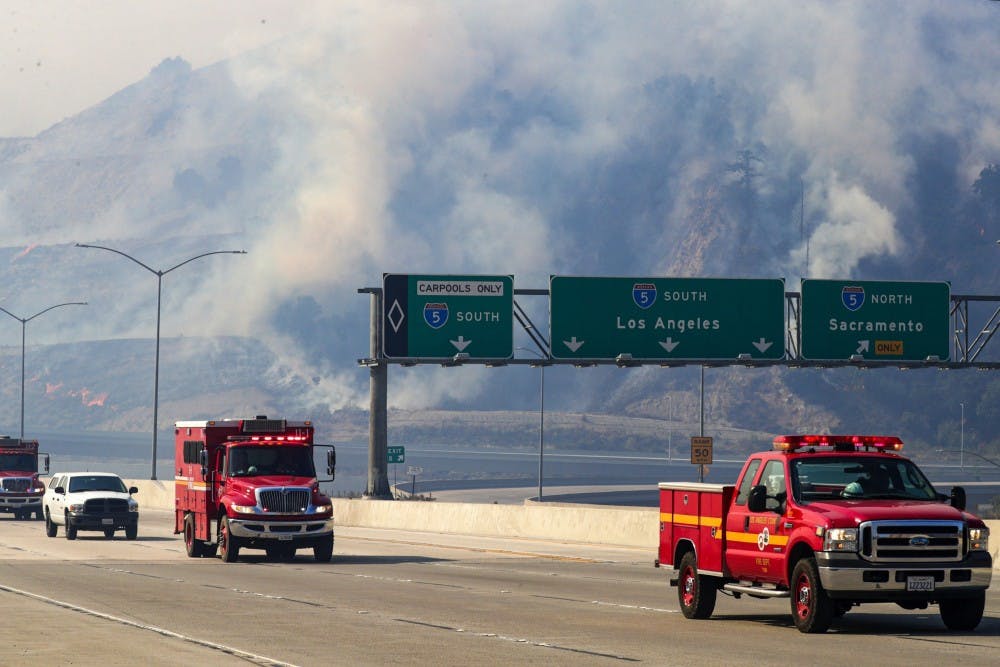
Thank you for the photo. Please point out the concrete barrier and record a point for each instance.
(564, 522)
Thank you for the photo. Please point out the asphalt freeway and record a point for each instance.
(413, 598)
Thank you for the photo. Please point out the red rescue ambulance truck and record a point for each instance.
(20, 489)
(251, 483)
(830, 522)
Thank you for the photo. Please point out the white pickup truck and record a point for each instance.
(90, 501)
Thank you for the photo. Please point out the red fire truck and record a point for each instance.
(829, 522)
(20, 490)
(251, 483)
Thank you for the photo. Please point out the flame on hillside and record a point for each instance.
(23, 253)
(90, 398)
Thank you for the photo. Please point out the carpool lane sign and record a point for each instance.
(439, 316)
(875, 320)
(666, 318)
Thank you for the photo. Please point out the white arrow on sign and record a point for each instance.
(762, 345)
(669, 344)
(461, 343)
(862, 346)
(573, 344)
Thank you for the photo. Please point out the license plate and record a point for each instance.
(920, 583)
(107, 522)
(288, 538)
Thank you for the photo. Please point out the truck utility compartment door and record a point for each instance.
(756, 541)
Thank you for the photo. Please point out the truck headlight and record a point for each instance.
(323, 509)
(76, 508)
(841, 539)
(244, 509)
(979, 539)
(133, 506)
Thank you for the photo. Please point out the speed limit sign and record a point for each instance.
(701, 450)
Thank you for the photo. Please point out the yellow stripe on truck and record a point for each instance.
(777, 540)
(691, 520)
(191, 484)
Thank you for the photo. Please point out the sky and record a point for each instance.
(59, 57)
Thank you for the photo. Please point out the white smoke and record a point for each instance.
(394, 154)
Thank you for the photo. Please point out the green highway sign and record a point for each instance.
(666, 318)
(397, 455)
(875, 320)
(439, 316)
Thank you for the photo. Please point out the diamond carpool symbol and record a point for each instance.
(396, 316)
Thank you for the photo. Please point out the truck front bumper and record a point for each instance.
(103, 520)
(848, 576)
(19, 504)
(254, 531)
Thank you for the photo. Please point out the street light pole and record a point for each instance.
(670, 428)
(24, 321)
(159, 293)
(961, 460)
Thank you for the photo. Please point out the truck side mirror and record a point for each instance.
(203, 458)
(46, 464)
(958, 497)
(331, 462)
(757, 502)
(133, 489)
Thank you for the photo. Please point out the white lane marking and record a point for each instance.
(251, 657)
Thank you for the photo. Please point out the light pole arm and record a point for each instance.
(204, 254)
(19, 319)
(119, 252)
(68, 303)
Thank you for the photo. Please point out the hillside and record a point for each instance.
(328, 177)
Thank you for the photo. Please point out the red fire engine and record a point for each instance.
(251, 483)
(20, 490)
(829, 522)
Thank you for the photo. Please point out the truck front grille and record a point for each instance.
(105, 505)
(16, 484)
(284, 500)
(912, 541)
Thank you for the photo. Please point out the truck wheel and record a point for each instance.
(323, 551)
(132, 531)
(812, 608)
(963, 613)
(193, 546)
(229, 545)
(50, 528)
(70, 530)
(695, 592)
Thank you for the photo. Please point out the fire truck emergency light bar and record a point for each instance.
(838, 443)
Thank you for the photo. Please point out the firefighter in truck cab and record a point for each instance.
(251, 484)
(829, 522)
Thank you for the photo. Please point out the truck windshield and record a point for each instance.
(20, 462)
(828, 478)
(96, 483)
(249, 461)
